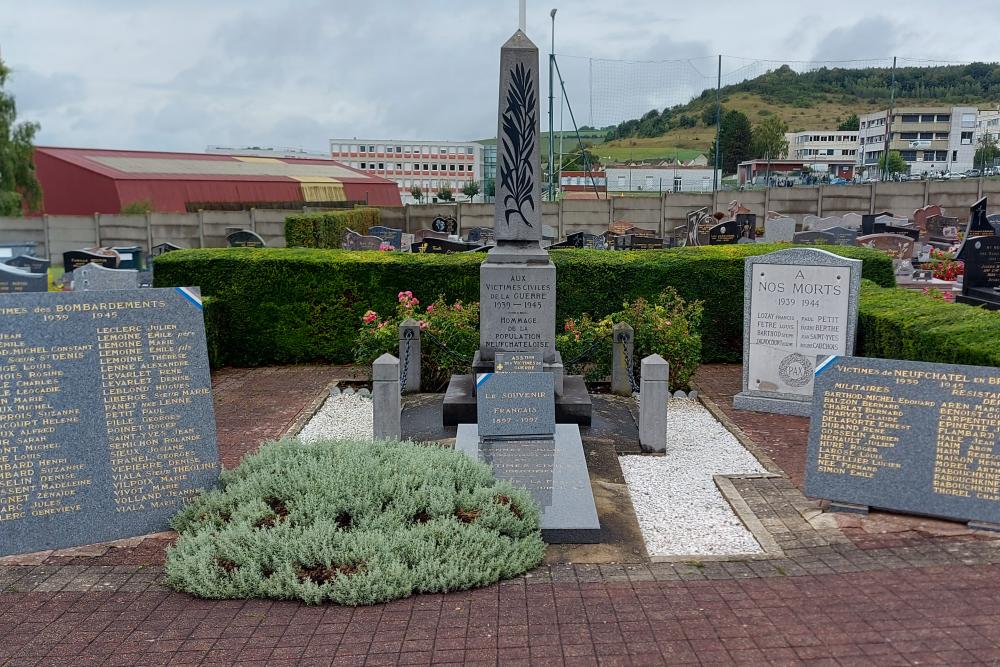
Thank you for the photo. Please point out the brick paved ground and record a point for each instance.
(837, 593)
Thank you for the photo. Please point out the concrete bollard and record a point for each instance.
(409, 355)
(623, 344)
(385, 398)
(654, 390)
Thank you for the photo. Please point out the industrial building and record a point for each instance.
(83, 181)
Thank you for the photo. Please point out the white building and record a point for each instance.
(659, 179)
(429, 165)
(988, 123)
(269, 151)
(821, 144)
(929, 139)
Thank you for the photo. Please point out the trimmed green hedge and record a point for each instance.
(903, 324)
(277, 305)
(325, 230)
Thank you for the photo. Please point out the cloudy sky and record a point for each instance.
(183, 74)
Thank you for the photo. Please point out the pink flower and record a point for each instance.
(423, 325)
(369, 317)
(381, 325)
(458, 305)
(430, 309)
(414, 303)
(401, 295)
(384, 246)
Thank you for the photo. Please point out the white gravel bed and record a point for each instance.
(342, 417)
(679, 507)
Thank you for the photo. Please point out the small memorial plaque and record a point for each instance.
(106, 416)
(907, 436)
(13, 279)
(724, 233)
(74, 259)
(515, 405)
(518, 362)
(94, 277)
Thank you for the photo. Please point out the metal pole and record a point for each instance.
(718, 125)
(552, 58)
(562, 100)
(579, 139)
(888, 123)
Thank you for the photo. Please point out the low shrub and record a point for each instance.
(903, 324)
(353, 523)
(666, 325)
(287, 305)
(449, 337)
(326, 229)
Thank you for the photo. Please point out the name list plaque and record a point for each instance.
(909, 436)
(106, 418)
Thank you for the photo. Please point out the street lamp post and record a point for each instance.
(552, 56)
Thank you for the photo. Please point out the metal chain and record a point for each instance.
(585, 353)
(408, 337)
(624, 339)
(454, 355)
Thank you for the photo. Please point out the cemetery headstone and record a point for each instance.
(979, 225)
(940, 228)
(94, 277)
(981, 282)
(724, 233)
(995, 222)
(161, 248)
(843, 235)
(747, 222)
(906, 436)
(132, 257)
(851, 220)
(922, 214)
(871, 225)
(11, 250)
(813, 237)
(245, 238)
(779, 229)
(800, 307)
(435, 246)
(911, 232)
(518, 405)
(29, 263)
(14, 279)
(108, 420)
(390, 235)
(896, 246)
(74, 259)
(823, 224)
(444, 224)
(406, 242)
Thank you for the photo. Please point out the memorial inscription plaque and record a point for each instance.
(516, 405)
(517, 309)
(800, 306)
(908, 436)
(518, 362)
(106, 417)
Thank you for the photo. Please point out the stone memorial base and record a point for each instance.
(573, 405)
(553, 471)
(746, 400)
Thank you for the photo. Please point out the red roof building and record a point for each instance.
(82, 181)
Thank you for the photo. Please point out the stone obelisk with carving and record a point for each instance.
(517, 282)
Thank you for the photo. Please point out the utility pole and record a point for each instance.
(888, 122)
(552, 58)
(718, 125)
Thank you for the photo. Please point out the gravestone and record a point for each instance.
(14, 279)
(406, 242)
(924, 213)
(520, 362)
(978, 224)
(911, 232)
(940, 228)
(704, 229)
(444, 225)
(724, 233)
(29, 263)
(244, 238)
(131, 257)
(162, 248)
(108, 425)
(799, 307)
(390, 235)
(995, 222)
(843, 235)
(906, 436)
(94, 278)
(422, 234)
(11, 250)
(823, 224)
(871, 225)
(480, 235)
(896, 246)
(888, 219)
(779, 230)
(433, 246)
(74, 259)
(813, 237)
(981, 282)
(851, 220)
(747, 222)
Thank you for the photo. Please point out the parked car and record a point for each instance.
(954, 176)
(914, 177)
(972, 173)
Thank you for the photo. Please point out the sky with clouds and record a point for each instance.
(183, 74)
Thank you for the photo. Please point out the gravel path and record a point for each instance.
(342, 417)
(680, 510)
